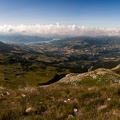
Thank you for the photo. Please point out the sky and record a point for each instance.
(88, 13)
(95, 13)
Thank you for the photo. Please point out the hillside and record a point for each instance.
(87, 96)
(51, 81)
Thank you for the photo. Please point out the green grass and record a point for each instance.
(14, 76)
(58, 102)
(94, 99)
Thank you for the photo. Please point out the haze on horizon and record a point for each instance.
(76, 17)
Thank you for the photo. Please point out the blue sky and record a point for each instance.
(95, 13)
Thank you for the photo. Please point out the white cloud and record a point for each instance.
(59, 30)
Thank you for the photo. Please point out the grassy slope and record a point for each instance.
(14, 76)
(79, 100)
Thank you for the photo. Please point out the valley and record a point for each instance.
(38, 63)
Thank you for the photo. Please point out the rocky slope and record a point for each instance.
(99, 75)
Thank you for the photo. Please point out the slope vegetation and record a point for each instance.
(93, 95)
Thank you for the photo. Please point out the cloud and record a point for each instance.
(60, 30)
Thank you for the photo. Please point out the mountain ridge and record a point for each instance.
(97, 74)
